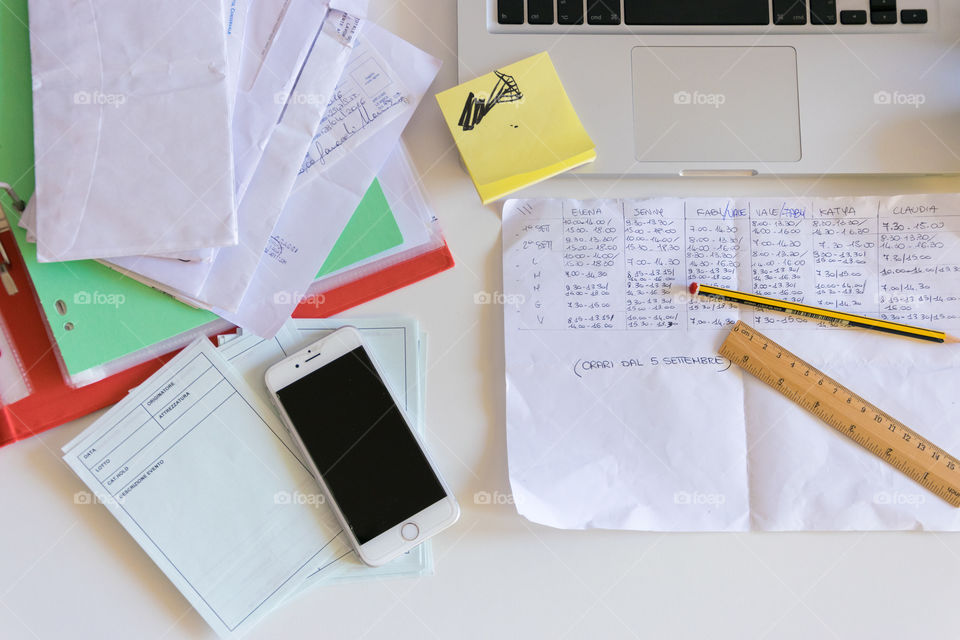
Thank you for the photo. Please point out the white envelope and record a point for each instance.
(234, 12)
(279, 35)
(418, 226)
(264, 201)
(223, 282)
(322, 201)
(132, 128)
(234, 15)
(235, 22)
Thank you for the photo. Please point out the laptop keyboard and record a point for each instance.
(795, 13)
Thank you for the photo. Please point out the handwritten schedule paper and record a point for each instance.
(620, 413)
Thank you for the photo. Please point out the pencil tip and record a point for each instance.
(950, 339)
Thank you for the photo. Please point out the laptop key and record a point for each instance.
(823, 11)
(570, 11)
(853, 17)
(882, 5)
(510, 11)
(696, 12)
(603, 11)
(883, 17)
(540, 11)
(787, 12)
(913, 16)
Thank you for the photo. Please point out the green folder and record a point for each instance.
(371, 229)
(96, 315)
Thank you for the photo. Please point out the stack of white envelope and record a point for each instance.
(174, 141)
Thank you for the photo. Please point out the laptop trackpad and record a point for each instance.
(716, 104)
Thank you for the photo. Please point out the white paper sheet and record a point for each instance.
(326, 200)
(368, 95)
(282, 33)
(132, 128)
(234, 267)
(279, 36)
(234, 23)
(223, 282)
(620, 413)
(234, 17)
(193, 464)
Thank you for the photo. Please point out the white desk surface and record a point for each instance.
(497, 574)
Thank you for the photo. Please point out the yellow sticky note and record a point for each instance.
(515, 126)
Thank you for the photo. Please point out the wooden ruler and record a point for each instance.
(849, 414)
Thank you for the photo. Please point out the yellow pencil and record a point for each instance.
(836, 318)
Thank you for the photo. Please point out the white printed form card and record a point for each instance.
(192, 463)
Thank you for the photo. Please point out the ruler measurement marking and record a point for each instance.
(844, 411)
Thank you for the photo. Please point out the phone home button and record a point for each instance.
(409, 531)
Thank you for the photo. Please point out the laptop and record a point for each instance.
(742, 87)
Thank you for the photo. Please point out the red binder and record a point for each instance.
(325, 303)
(51, 401)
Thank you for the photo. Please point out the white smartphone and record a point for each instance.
(357, 440)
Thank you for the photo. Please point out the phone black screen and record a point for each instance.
(361, 445)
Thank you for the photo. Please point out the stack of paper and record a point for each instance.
(198, 468)
(294, 109)
(223, 172)
(103, 324)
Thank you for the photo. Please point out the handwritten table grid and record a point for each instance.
(626, 264)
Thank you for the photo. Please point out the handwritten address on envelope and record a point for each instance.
(368, 96)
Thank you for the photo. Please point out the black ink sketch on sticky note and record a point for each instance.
(506, 90)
